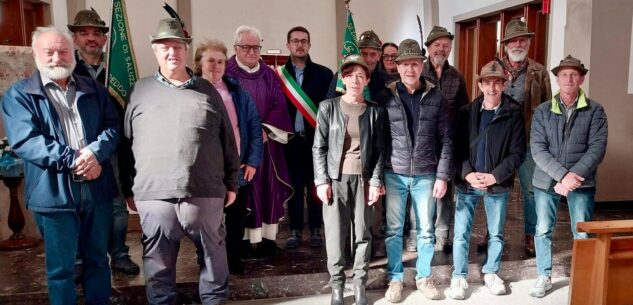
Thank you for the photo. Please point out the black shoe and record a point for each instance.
(337, 296)
(316, 241)
(359, 295)
(482, 246)
(125, 265)
(294, 240)
(267, 248)
(236, 266)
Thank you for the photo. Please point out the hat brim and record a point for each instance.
(154, 39)
(583, 71)
(379, 48)
(500, 76)
(429, 40)
(411, 56)
(73, 28)
(515, 35)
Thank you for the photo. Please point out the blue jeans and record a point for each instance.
(526, 172)
(420, 188)
(495, 205)
(84, 231)
(580, 202)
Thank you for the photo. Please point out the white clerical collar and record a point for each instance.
(246, 68)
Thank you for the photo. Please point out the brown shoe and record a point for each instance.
(394, 292)
(427, 287)
(529, 246)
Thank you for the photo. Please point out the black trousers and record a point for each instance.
(235, 222)
(299, 156)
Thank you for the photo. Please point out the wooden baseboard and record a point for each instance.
(133, 223)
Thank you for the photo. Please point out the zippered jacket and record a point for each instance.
(559, 148)
(504, 142)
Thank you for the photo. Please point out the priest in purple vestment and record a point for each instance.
(271, 187)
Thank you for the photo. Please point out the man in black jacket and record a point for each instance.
(89, 36)
(305, 84)
(418, 165)
(490, 147)
(453, 86)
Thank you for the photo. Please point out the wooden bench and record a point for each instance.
(602, 267)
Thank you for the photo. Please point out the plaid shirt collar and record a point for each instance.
(188, 84)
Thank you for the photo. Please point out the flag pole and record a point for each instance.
(107, 65)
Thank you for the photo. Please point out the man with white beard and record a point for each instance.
(452, 84)
(65, 129)
(529, 85)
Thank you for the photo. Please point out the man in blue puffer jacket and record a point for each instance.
(568, 141)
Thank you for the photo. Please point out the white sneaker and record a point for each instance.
(457, 291)
(541, 286)
(495, 284)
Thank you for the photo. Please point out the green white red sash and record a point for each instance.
(295, 94)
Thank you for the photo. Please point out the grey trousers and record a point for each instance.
(164, 223)
(348, 208)
(444, 212)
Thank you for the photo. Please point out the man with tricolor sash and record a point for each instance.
(305, 84)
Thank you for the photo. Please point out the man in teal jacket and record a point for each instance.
(65, 129)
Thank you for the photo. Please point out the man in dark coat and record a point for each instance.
(305, 84)
(89, 36)
(489, 148)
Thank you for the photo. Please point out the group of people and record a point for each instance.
(214, 153)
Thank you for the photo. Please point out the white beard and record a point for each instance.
(517, 57)
(438, 60)
(55, 72)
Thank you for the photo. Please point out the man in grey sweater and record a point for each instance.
(186, 169)
(568, 142)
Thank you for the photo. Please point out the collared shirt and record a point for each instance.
(299, 124)
(163, 80)
(568, 110)
(246, 68)
(94, 72)
(496, 108)
(65, 103)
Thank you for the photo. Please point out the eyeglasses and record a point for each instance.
(389, 57)
(299, 41)
(247, 48)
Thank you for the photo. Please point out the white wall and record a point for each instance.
(556, 41)
(219, 19)
(391, 22)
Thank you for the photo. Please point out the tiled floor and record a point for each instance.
(301, 271)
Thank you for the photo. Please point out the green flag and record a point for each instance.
(350, 46)
(122, 71)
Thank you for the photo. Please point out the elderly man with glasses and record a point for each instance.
(271, 186)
